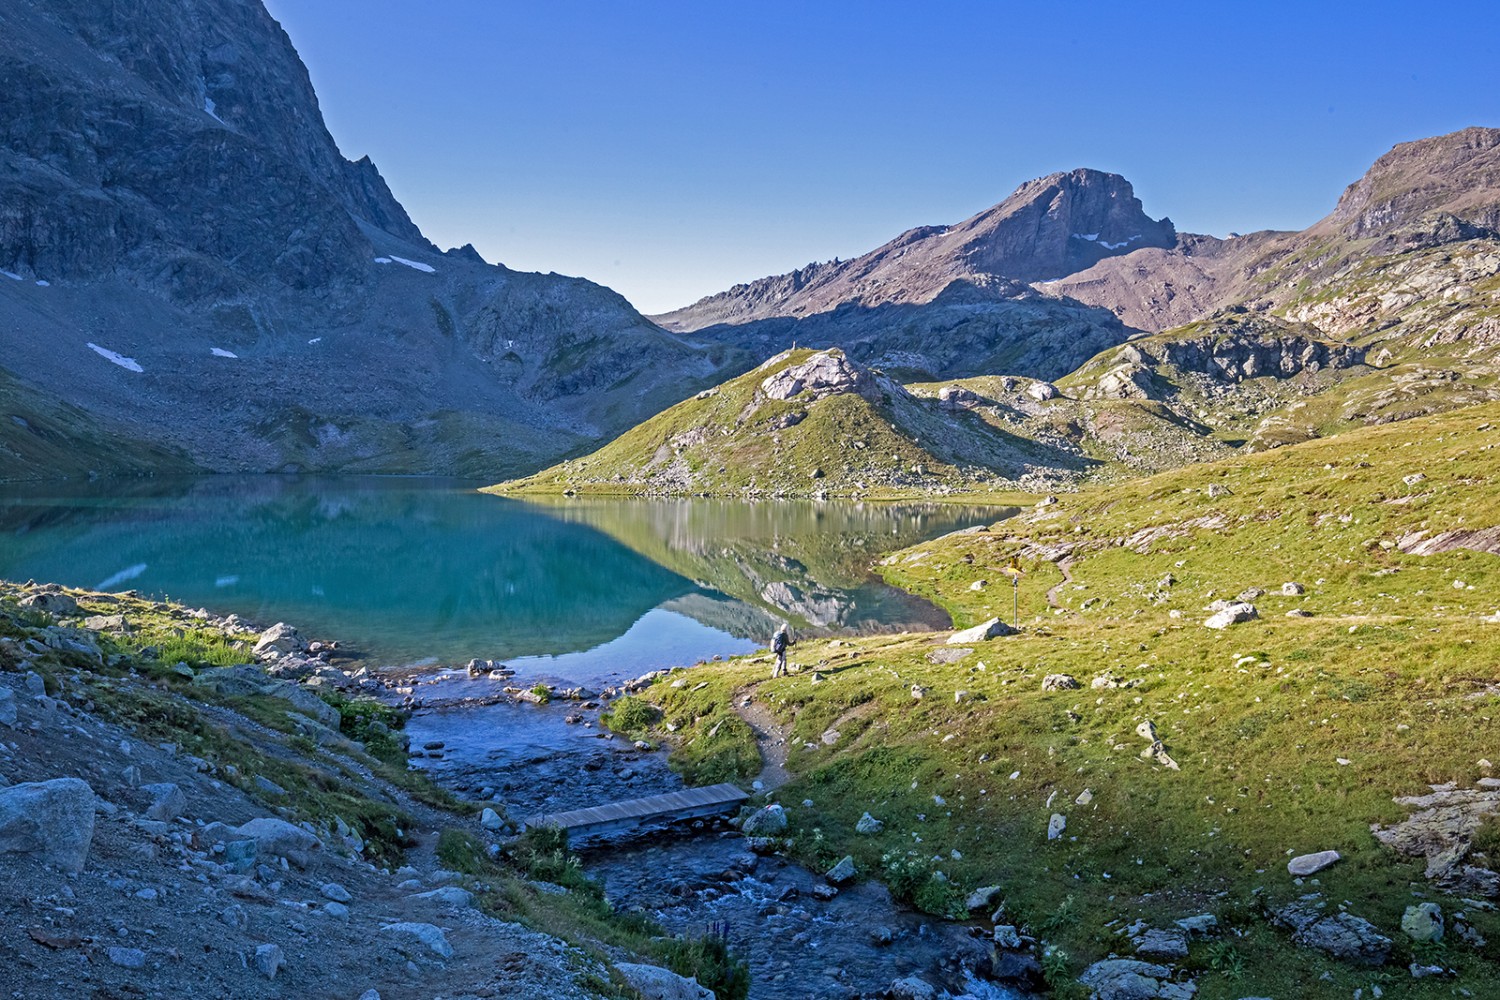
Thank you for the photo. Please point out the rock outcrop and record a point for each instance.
(51, 820)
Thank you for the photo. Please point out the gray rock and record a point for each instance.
(1060, 682)
(265, 784)
(1342, 935)
(1290, 589)
(1056, 825)
(1423, 922)
(1232, 614)
(992, 629)
(277, 641)
(234, 917)
(53, 820)
(106, 623)
(1158, 943)
(336, 892)
(1309, 864)
(370, 995)
(415, 939)
(868, 825)
(167, 802)
(7, 707)
(912, 988)
(336, 910)
(1006, 936)
(765, 821)
(51, 602)
(655, 983)
(841, 872)
(280, 838)
(449, 895)
(982, 898)
(490, 820)
(268, 959)
(881, 936)
(1125, 979)
(127, 958)
(1203, 925)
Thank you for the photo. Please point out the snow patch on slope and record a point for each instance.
(219, 352)
(415, 264)
(118, 359)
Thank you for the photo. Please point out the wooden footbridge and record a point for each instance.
(632, 816)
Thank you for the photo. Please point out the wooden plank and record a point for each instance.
(690, 800)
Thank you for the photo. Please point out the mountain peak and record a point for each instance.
(1047, 228)
(1456, 174)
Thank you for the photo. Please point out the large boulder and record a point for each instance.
(52, 602)
(765, 822)
(655, 983)
(167, 802)
(1309, 864)
(992, 629)
(1423, 922)
(1232, 614)
(246, 680)
(1125, 979)
(277, 641)
(278, 837)
(1342, 935)
(53, 820)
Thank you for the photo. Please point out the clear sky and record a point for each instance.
(672, 149)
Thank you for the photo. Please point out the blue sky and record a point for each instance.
(672, 149)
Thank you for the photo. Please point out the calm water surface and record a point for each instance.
(421, 570)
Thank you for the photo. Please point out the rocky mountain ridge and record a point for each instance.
(188, 261)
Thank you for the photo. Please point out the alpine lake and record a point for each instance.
(418, 576)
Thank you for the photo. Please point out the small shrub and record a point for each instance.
(709, 960)
(1225, 959)
(631, 714)
(461, 851)
(543, 693)
(1065, 916)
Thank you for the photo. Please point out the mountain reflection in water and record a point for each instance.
(420, 569)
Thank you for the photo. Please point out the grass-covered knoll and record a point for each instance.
(1293, 734)
(862, 435)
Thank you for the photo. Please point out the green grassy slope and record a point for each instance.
(733, 439)
(1293, 734)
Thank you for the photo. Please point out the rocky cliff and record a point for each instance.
(188, 259)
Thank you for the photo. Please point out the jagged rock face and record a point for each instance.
(1432, 193)
(1239, 356)
(168, 192)
(1061, 224)
(824, 374)
(1456, 174)
(179, 143)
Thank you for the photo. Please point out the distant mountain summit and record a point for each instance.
(1049, 227)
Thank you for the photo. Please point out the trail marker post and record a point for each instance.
(1015, 573)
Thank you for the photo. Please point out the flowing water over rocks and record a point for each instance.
(691, 879)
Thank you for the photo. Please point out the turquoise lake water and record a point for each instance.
(421, 570)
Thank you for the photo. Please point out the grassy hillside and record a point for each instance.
(736, 439)
(1292, 734)
(41, 438)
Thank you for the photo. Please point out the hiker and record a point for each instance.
(779, 643)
